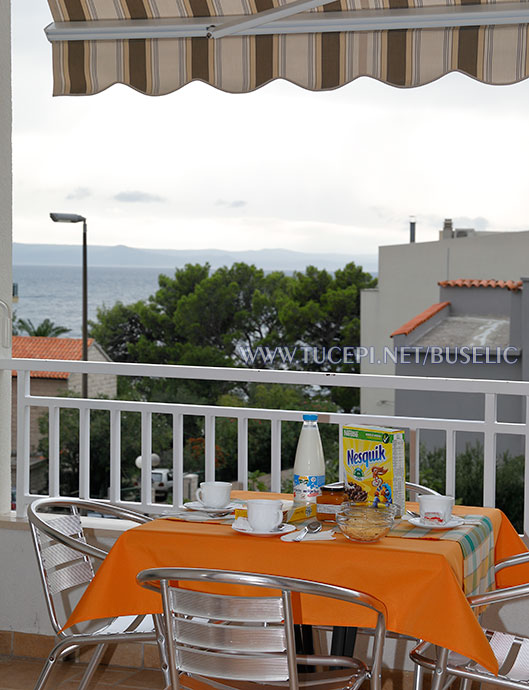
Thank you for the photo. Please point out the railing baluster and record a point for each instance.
(450, 460)
(242, 452)
(209, 447)
(114, 491)
(418, 453)
(489, 452)
(276, 456)
(54, 451)
(341, 471)
(178, 459)
(84, 452)
(146, 459)
(23, 436)
(414, 456)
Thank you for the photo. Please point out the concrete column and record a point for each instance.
(6, 280)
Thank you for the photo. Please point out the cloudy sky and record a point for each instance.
(281, 167)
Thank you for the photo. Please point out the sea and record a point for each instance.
(55, 292)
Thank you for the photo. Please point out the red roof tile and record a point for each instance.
(412, 324)
(513, 285)
(31, 347)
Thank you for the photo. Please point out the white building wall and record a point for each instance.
(5, 246)
(98, 384)
(407, 284)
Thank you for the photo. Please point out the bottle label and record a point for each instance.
(307, 488)
(328, 508)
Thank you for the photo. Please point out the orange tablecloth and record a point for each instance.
(418, 580)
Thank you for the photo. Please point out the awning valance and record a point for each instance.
(158, 46)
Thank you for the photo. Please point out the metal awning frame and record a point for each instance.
(292, 19)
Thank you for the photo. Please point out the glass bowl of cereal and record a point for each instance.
(365, 522)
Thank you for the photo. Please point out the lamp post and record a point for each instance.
(74, 218)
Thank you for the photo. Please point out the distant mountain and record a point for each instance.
(120, 255)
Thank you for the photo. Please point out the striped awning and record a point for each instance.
(158, 46)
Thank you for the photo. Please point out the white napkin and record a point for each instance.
(324, 535)
(242, 524)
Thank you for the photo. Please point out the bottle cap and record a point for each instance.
(310, 417)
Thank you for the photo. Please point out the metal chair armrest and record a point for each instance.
(499, 595)
(420, 489)
(73, 543)
(518, 559)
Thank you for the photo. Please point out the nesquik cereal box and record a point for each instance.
(374, 469)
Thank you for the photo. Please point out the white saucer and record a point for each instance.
(455, 521)
(282, 529)
(196, 505)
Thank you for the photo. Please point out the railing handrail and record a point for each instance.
(248, 375)
(475, 425)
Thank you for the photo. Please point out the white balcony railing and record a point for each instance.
(489, 426)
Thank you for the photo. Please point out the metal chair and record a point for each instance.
(511, 651)
(65, 562)
(233, 642)
(420, 489)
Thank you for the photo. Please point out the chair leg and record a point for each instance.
(162, 650)
(440, 670)
(55, 654)
(418, 677)
(43, 677)
(92, 666)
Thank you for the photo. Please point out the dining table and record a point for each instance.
(421, 581)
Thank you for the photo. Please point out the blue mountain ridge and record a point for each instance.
(121, 255)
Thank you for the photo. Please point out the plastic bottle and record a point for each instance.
(309, 465)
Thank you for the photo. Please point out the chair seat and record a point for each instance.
(116, 626)
(511, 652)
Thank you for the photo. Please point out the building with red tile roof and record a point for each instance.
(480, 332)
(33, 347)
(408, 283)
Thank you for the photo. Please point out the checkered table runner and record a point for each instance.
(477, 544)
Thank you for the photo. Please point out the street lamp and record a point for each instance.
(74, 218)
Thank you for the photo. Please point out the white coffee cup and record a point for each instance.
(264, 515)
(436, 510)
(214, 494)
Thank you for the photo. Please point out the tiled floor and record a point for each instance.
(21, 674)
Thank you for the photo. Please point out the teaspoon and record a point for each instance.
(311, 528)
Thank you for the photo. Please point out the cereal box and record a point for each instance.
(374, 468)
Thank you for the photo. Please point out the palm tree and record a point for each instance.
(45, 329)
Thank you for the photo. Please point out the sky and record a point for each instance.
(281, 167)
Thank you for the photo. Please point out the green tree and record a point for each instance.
(201, 317)
(209, 318)
(322, 311)
(45, 329)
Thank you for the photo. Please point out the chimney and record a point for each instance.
(447, 231)
(412, 229)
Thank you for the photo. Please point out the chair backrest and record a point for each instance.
(248, 638)
(63, 555)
